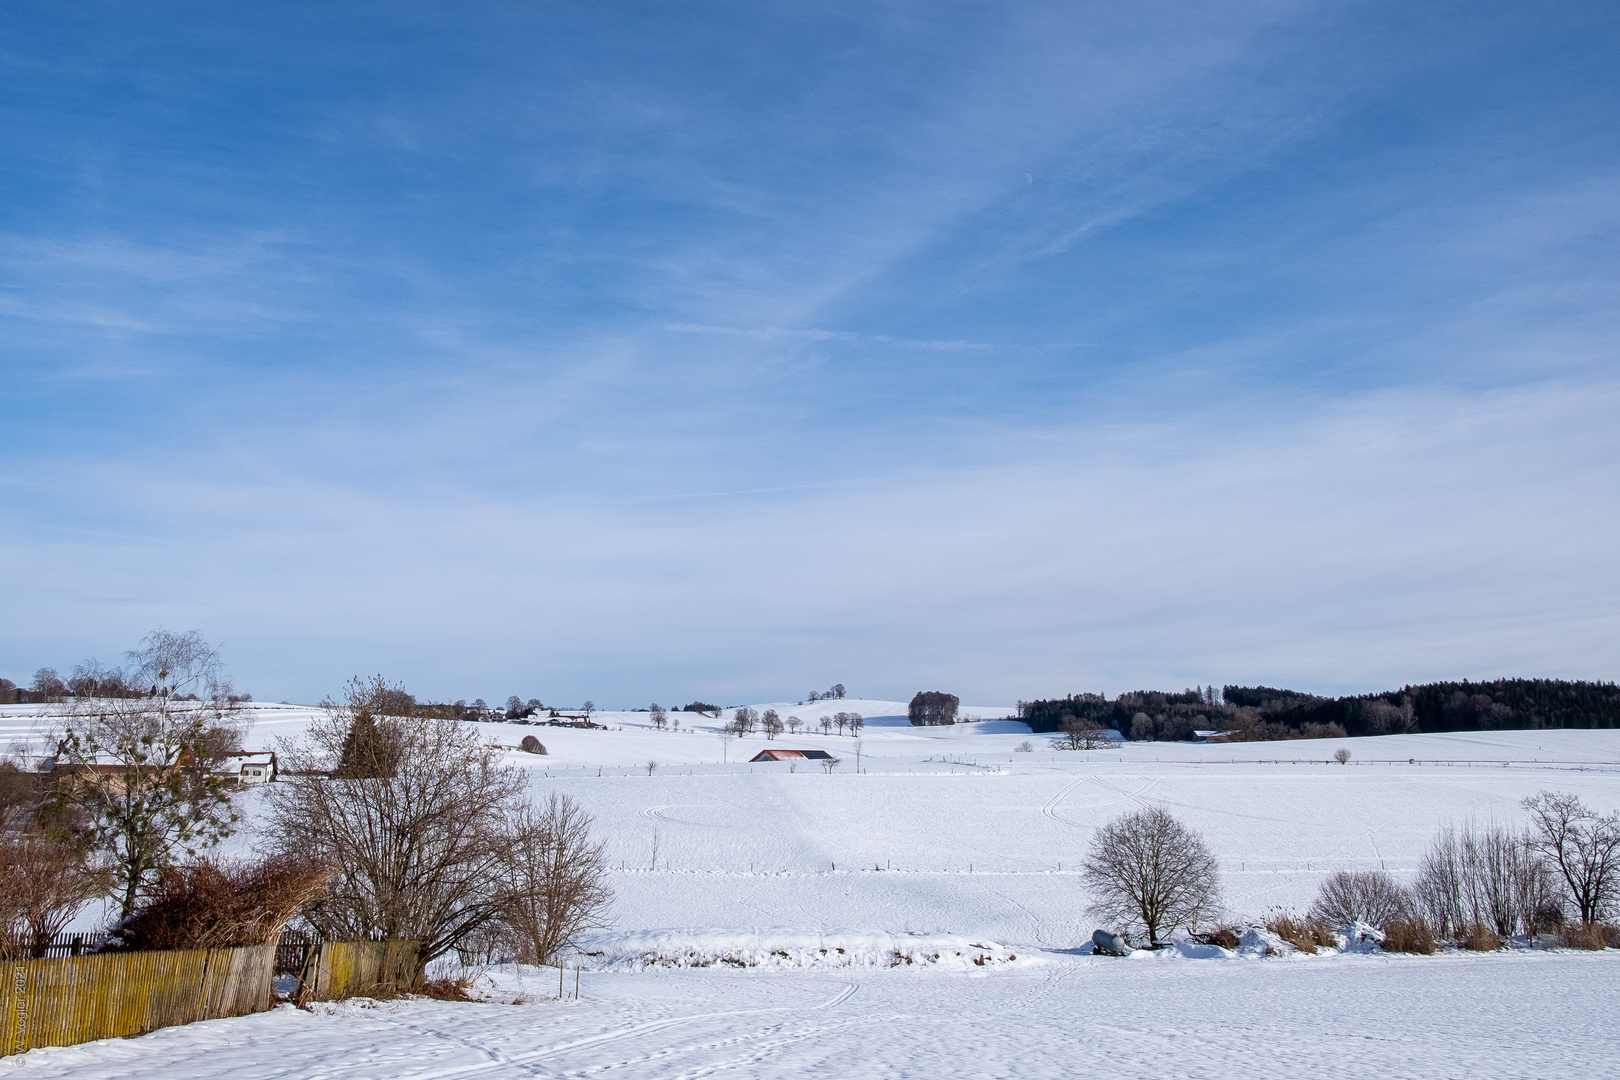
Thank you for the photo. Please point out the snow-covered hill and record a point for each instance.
(957, 831)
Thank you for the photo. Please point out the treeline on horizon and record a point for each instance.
(1256, 713)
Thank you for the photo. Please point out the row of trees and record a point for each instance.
(1151, 874)
(91, 680)
(396, 825)
(745, 719)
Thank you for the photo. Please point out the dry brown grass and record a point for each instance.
(1409, 936)
(448, 988)
(1593, 936)
(1480, 938)
(1305, 934)
(1224, 936)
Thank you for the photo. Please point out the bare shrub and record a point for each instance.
(1585, 848)
(1369, 896)
(1409, 935)
(1306, 934)
(1342, 756)
(553, 881)
(1147, 869)
(43, 884)
(1480, 938)
(1025, 747)
(214, 905)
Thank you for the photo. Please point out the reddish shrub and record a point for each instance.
(210, 905)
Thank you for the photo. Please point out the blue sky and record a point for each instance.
(657, 351)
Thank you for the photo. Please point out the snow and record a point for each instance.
(1532, 1015)
(951, 842)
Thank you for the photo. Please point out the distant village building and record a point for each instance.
(250, 767)
(243, 767)
(791, 755)
(1212, 736)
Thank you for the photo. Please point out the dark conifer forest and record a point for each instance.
(1263, 712)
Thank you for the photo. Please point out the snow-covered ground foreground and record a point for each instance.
(1543, 1015)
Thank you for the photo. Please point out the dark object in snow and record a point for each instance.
(1109, 943)
(532, 745)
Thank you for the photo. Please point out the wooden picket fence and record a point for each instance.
(340, 969)
(60, 1001)
(67, 1000)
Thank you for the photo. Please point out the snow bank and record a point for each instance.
(790, 949)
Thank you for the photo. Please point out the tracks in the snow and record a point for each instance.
(761, 1042)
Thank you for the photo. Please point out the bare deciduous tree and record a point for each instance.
(554, 880)
(1584, 846)
(743, 720)
(770, 723)
(1370, 896)
(144, 770)
(660, 716)
(794, 724)
(48, 685)
(1147, 870)
(434, 851)
(1486, 876)
(416, 852)
(1342, 756)
(1082, 735)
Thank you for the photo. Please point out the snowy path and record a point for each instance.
(1544, 1015)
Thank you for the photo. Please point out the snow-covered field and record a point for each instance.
(950, 837)
(1544, 1015)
